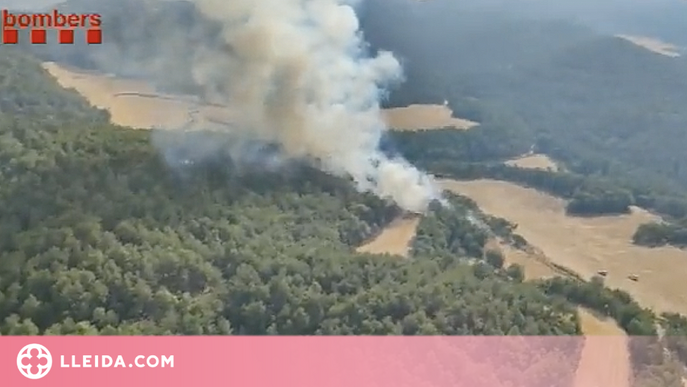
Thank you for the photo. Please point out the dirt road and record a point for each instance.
(604, 362)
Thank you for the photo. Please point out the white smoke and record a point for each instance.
(298, 73)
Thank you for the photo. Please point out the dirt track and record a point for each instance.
(604, 362)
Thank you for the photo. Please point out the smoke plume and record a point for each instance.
(297, 72)
(292, 72)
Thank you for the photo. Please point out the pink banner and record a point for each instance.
(72, 361)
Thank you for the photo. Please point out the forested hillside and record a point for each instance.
(100, 235)
(599, 104)
(612, 113)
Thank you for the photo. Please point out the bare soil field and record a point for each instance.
(587, 245)
(654, 45)
(418, 117)
(394, 239)
(534, 161)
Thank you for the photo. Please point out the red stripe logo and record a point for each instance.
(40, 27)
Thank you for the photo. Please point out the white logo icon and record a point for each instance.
(34, 361)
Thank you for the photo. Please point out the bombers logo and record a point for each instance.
(34, 361)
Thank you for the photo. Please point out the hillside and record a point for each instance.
(604, 107)
(576, 83)
(92, 214)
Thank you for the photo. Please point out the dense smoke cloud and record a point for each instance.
(298, 73)
(295, 71)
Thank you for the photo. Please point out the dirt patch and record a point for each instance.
(534, 161)
(653, 45)
(587, 245)
(417, 117)
(394, 239)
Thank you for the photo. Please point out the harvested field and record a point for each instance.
(417, 117)
(653, 45)
(587, 245)
(537, 266)
(534, 161)
(394, 239)
(136, 104)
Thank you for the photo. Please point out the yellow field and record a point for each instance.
(394, 239)
(136, 104)
(596, 325)
(416, 117)
(587, 245)
(605, 361)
